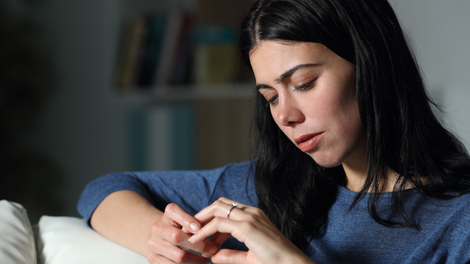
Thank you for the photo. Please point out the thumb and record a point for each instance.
(230, 256)
(187, 222)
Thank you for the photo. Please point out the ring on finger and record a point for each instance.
(234, 204)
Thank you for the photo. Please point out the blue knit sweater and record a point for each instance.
(352, 236)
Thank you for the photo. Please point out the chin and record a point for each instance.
(326, 162)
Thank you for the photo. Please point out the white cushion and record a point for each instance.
(68, 240)
(16, 235)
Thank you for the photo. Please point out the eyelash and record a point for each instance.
(272, 100)
(305, 87)
(301, 88)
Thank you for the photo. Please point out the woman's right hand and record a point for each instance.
(169, 239)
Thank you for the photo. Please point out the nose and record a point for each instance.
(288, 112)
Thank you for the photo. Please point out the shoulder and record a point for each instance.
(456, 209)
(461, 212)
(242, 169)
(236, 182)
(235, 173)
(444, 234)
(453, 217)
(456, 226)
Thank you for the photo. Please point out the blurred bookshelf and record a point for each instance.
(179, 51)
(188, 93)
(176, 64)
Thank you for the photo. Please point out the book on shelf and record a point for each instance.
(181, 63)
(162, 138)
(152, 50)
(131, 43)
(156, 51)
(215, 55)
(163, 69)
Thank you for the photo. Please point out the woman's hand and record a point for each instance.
(266, 244)
(169, 239)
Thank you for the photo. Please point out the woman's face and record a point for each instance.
(312, 97)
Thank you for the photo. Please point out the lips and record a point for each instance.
(308, 142)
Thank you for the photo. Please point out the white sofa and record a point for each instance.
(55, 240)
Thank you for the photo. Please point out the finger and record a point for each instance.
(218, 209)
(167, 251)
(220, 225)
(222, 210)
(219, 238)
(185, 220)
(241, 206)
(156, 258)
(228, 256)
(176, 237)
(228, 201)
(186, 230)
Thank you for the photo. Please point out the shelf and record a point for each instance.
(187, 93)
(184, 16)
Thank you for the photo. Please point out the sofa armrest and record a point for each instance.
(16, 235)
(69, 240)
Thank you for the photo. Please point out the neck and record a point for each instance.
(356, 177)
(356, 168)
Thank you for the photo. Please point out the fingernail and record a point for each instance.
(194, 227)
(213, 249)
(189, 239)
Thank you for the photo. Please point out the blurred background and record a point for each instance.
(89, 87)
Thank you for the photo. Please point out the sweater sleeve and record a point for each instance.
(192, 190)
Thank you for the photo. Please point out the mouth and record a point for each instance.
(308, 142)
(305, 138)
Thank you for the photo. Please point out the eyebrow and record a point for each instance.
(288, 73)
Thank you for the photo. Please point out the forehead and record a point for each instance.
(273, 57)
(277, 44)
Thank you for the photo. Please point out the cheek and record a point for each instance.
(350, 127)
(340, 112)
(344, 104)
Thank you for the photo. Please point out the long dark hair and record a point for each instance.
(403, 133)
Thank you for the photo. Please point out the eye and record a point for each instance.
(270, 95)
(272, 100)
(306, 86)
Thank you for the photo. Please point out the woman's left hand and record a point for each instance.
(249, 225)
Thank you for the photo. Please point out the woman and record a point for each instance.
(351, 165)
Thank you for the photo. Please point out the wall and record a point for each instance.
(439, 32)
(81, 129)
